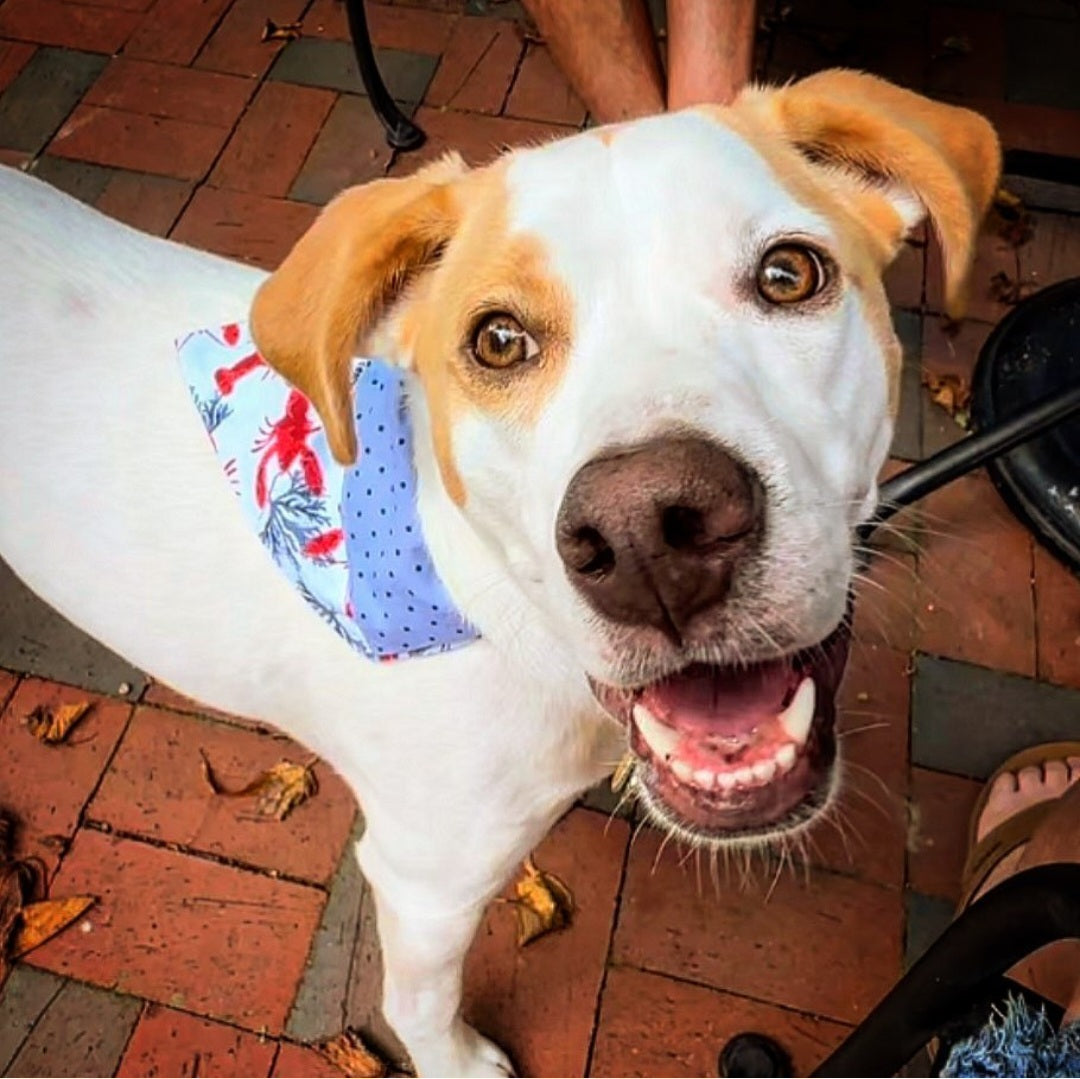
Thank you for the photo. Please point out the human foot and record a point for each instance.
(1051, 789)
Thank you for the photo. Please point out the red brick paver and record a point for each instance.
(183, 931)
(46, 787)
(273, 139)
(168, 1042)
(829, 946)
(652, 1025)
(156, 787)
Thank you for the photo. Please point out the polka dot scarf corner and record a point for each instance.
(350, 540)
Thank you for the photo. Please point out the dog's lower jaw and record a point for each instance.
(778, 835)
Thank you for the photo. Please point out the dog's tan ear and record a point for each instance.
(925, 158)
(311, 316)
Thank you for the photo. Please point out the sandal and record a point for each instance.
(1015, 831)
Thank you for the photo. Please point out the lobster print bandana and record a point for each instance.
(349, 539)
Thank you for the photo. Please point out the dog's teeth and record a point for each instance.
(725, 781)
(797, 718)
(764, 771)
(705, 779)
(660, 739)
(744, 776)
(682, 771)
(785, 758)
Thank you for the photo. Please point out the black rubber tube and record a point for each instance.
(965, 456)
(1014, 919)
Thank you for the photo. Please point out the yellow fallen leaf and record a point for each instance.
(348, 1053)
(280, 789)
(544, 904)
(951, 393)
(286, 31)
(53, 725)
(42, 921)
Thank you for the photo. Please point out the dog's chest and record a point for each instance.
(349, 539)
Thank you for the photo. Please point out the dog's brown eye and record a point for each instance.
(790, 273)
(501, 341)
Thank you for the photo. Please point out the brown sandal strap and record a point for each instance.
(998, 844)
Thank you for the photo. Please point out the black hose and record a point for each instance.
(1012, 920)
(975, 450)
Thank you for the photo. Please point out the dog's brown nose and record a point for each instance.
(651, 535)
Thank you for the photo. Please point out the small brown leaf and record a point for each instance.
(951, 393)
(280, 789)
(544, 904)
(1008, 290)
(348, 1053)
(42, 921)
(53, 725)
(286, 31)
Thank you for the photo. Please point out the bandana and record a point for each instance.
(349, 539)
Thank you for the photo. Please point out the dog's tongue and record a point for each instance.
(722, 700)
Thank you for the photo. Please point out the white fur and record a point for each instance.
(113, 509)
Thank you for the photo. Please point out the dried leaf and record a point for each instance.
(544, 904)
(957, 45)
(950, 392)
(280, 789)
(348, 1053)
(1009, 290)
(42, 921)
(1010, 220)
(286, 31)
(622, 773)
(53, 725)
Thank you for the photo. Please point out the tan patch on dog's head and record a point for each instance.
(874, 159)
(428, 256)
(889, 157)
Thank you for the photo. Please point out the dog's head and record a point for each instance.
(659, 373)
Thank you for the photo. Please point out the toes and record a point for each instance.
(1056, 777)
(1074, 768)
(1030, 783)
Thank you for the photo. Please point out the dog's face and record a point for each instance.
(660, 375)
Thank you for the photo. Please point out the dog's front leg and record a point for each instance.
(423, 955)
(428, 910)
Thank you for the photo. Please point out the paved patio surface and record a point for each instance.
(225, 944)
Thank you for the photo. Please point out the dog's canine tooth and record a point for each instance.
(797, 718)
(662, 740)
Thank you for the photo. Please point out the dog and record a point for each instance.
(650, 377)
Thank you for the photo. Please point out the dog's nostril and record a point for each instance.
(683, 528)
(592, 555)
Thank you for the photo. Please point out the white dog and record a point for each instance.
(651, 378)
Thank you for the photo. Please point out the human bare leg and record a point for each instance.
(608, 51)
(710, 50)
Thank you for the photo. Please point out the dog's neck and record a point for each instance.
(478, 577)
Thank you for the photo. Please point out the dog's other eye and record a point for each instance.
(790, 273)
(499, 340)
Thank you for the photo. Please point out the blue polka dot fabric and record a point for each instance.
(348, 539)
(397, 598)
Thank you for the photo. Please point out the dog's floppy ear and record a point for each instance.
(925, 158)
(311, 315)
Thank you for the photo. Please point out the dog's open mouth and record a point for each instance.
(736, 753)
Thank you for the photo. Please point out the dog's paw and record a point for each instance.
(465, 1055)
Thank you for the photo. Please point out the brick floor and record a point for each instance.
(226, 944)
